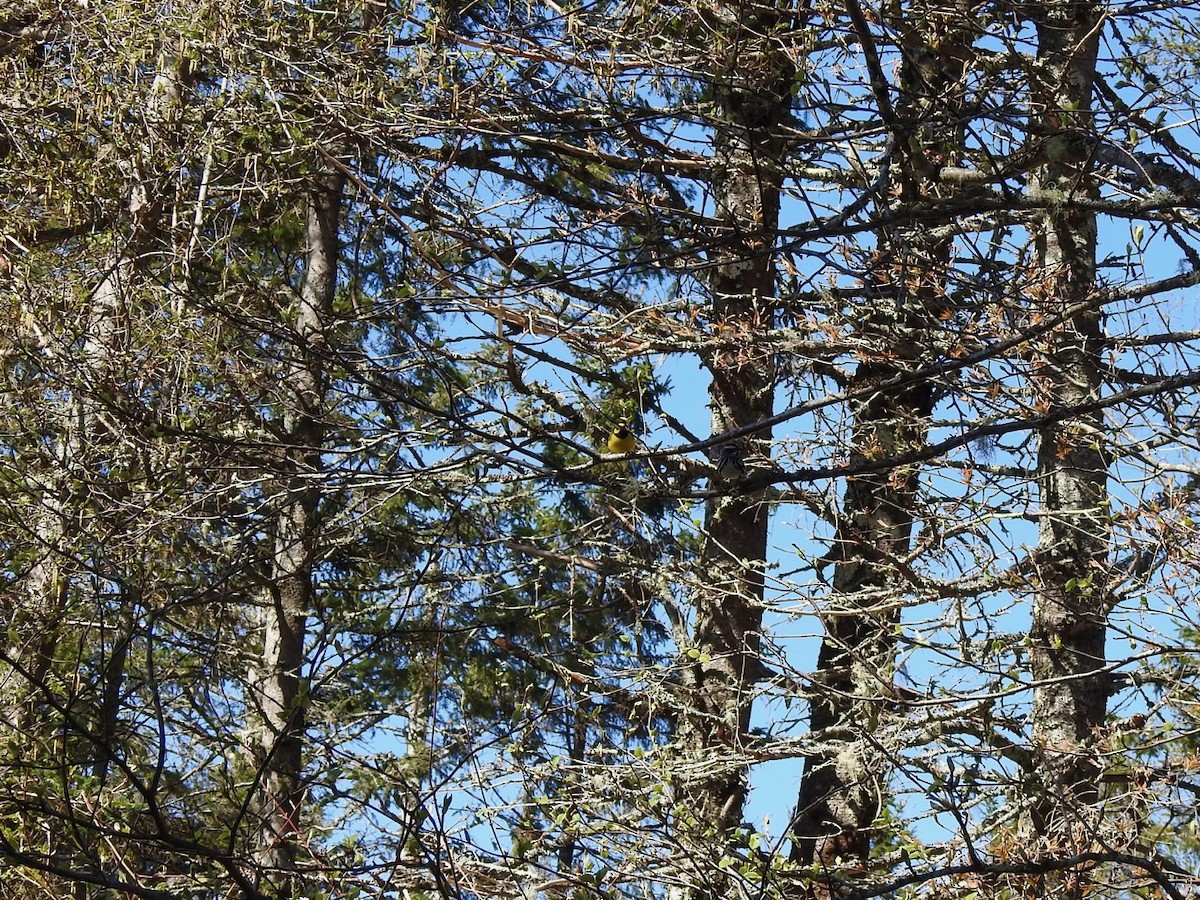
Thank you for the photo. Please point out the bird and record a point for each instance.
(621, 439)
(731, 462)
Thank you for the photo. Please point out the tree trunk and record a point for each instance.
(36, 622)
(842, 789)
(282, 702)
(1072, 599)
(746, 194)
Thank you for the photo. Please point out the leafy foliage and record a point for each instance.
(927, 265)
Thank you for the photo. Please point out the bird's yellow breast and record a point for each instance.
(621, 440)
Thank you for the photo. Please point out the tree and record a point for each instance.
(842, 789)
(324, 582)
(1071, 606)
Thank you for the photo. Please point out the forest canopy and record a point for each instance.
(701, 450)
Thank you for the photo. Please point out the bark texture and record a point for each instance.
(843, 788)
(753, 105)
(1071, 600)
(82, 442)
(280, 695)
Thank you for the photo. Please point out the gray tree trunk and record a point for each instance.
(35, 627)
(728, 606)
(278, 689)
(843, 788)
(1072, 600)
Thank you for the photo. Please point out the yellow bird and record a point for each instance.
(621, 439)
